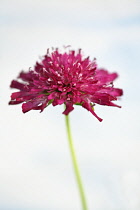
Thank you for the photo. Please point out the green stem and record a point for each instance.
(75, 165)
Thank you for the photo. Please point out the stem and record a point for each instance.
(75, 165)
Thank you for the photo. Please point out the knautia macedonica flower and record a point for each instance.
(65, 78)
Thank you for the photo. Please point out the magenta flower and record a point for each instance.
(65, 78)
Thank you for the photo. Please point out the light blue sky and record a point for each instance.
(35, 165)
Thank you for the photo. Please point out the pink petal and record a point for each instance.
(103, 76)
(18, 85)
(69, 108)
(87, 106)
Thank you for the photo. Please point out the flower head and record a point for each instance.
(65, 78)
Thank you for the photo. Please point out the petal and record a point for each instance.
(18, 85)
(28, 76)
(69, 108)
(29, 105)
(57, 101)
(112, 91)
(87, 106)
(18, 95)
(103, 99)
(117, 92)
(23, 96)
(39, 102)
(35, 104)
(51, 96)
(14, 102)
(103, 76)
(38, 67)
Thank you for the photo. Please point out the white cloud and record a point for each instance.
(93, 8)
(131, 188)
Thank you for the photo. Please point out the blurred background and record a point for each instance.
(35, 165)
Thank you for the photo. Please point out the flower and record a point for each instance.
(65, 78)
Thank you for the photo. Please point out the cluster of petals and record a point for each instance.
(65, 78)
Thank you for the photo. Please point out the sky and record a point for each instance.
(35, 165)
